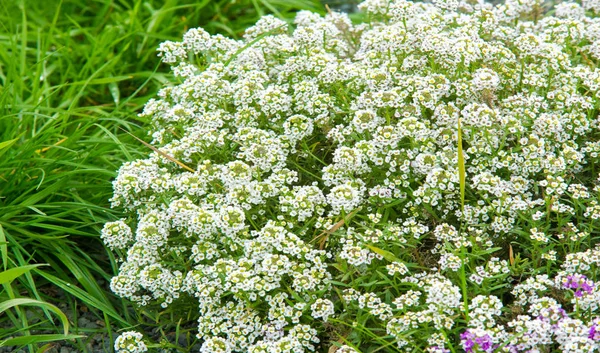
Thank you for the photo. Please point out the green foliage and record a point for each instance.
(16, 304)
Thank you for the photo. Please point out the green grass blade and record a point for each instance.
(4, 146)
(32, 302)
(461, 168)
(9, 275)
(3, 248)
(386, 254)
(104, 80)
(33, 339)
(85, 297)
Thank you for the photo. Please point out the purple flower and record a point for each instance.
(469, 340)
(587, 286)
(552, 315)
(512, 348)
(594, 333)
(579, 283)
(484, 342)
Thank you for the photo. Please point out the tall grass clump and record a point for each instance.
(421, 180)
(73, 76)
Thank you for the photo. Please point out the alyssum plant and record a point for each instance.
(307, 192)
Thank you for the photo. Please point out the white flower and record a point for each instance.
(116, 235)
(130, 342)
(322, 308)
(346, 197)
(485, 79)
(215, 345)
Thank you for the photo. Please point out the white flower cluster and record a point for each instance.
(130, 342)
(546, 322)
(337, 144)
(117, 235)
(440, 298)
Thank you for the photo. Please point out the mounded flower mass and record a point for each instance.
(309, 191)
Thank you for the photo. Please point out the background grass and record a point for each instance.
(73, 76)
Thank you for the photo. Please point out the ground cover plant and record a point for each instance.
(423, 180)
(73, 76)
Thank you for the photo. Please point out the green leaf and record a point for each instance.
(115, 92)
(4, 146)
(341, 284)
(32, 339)
(386, 254)
(33, 302)
(461, 168)
(3, 248)
(9, 275)
(103, 80)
